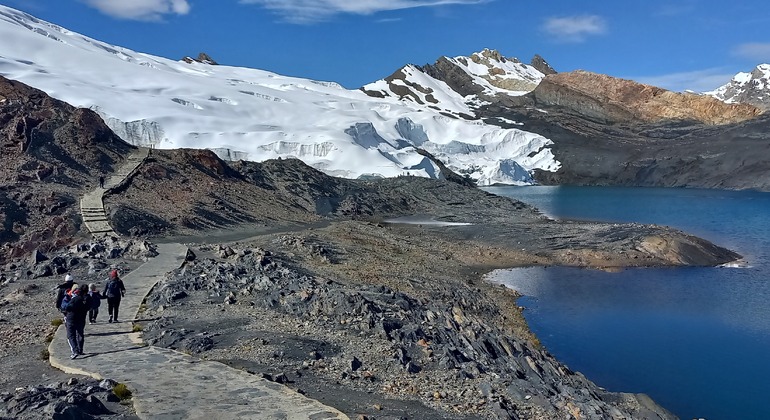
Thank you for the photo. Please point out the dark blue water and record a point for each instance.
(697, 340)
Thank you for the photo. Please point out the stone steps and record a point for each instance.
(91, 205)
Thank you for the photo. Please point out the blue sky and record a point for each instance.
(682, 44)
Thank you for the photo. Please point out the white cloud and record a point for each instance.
(754, 51)
(309, 11)
(140, 9)
(697, 81)
(574, 28)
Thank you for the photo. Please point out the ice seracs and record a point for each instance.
(243, 113)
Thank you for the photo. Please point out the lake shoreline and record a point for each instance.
(358, 257)
(461, 349)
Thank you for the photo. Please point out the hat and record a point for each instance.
(114, 274)
(68, 278)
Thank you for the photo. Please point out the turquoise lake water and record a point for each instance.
(697, 340)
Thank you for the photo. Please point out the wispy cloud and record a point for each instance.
(151, 10)
(574, 28)
(697, 81)
(311, 11)
(683, 7)
(389, 20)
(756, 51)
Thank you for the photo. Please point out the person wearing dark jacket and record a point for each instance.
(96, 302)
(62, 289)
(75, 312)
(114, 290)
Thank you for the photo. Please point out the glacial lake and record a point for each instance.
(697, 340)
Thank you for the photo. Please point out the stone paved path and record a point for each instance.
(169, 385)
(91, 206)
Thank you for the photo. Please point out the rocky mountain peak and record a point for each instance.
(487, 55)
(541, 65)
(202, 58)
(747, 88)
(609, 99)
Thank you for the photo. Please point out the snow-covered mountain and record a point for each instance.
(459, 84)
(244, 113)
(748, 88)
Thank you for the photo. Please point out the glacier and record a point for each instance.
(251, 114)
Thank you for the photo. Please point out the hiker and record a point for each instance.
(114, 290)
(101, 181)
(62, 289)
(96, 301)
(75, 312)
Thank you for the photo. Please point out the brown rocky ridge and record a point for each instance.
(609, 131)
(611, 99)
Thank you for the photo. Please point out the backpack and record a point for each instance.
(65, 302)
(60, 293)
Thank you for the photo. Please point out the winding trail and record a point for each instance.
(91, 205)
(168, 384)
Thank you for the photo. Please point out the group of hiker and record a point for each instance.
(78, 302)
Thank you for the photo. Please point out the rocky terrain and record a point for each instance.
(29, 387)
(626, 134)
(74, 399)
(51, 154)
(322, 292)
(337, 316)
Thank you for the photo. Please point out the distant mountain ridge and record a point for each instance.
(747, 88)
(614, 100)
(465, 81)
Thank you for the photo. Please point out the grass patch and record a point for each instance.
(57, 321)
(44, 354)
(121, 391)
(137, 328)
(49, 338)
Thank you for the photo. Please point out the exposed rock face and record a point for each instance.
(51, 153)
(501, 72)
(457, 79)
(483, 74)
(608, 99)
(670, 153)
(747, 88)
(202, 58)
(75, 399)
(541, 65)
